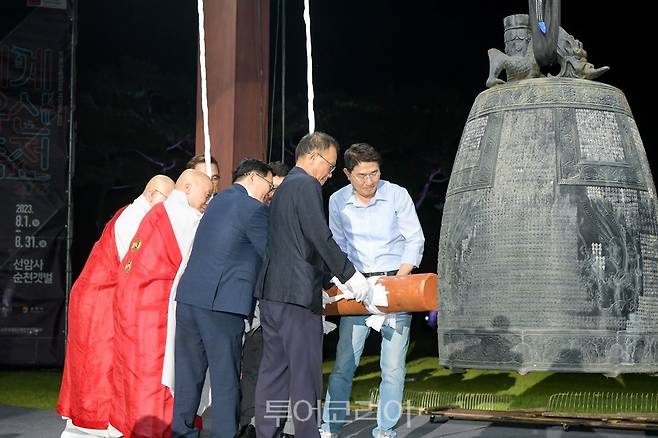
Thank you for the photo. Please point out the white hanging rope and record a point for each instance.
(283, 81)
(204, 88)
(309, 68)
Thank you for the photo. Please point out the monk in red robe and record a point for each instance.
(84, 397)
(141, 405)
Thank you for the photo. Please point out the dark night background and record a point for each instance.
(399, 75)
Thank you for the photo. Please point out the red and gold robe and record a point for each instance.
(142, 406)
(85, 394)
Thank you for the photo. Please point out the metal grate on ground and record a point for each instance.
(604, 403)
(638, 406)
(422, 400)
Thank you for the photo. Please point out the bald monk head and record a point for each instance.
(197, 187)
(158, 189)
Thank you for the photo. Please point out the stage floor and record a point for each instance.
(37, 423)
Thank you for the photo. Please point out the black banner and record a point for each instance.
(34, 132)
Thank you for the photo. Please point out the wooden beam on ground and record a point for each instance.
(548, 419)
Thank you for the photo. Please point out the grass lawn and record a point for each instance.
(39, 389)
(531, 391)
(30, 389)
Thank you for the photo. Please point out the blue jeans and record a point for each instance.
(352, 337)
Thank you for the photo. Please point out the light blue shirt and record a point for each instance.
(379, 236)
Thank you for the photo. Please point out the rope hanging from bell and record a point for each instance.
(204, 88)
(309, 67)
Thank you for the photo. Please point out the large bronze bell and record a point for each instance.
(548, 255)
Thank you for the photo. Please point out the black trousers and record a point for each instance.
(206, 339)
(291, 369)
(252, 351)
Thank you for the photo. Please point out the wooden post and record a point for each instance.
(237, 71)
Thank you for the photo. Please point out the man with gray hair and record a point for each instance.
(300, 249)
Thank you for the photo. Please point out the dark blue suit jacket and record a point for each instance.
(227, 253)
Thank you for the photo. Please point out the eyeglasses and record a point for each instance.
(361, 177)
(272, 188)
(332, 166)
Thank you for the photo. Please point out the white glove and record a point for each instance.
(327, 326)
(360, 287)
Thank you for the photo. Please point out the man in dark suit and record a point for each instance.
(300, 249)
(214, 296)
(252, 349)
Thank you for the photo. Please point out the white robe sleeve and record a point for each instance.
(184, 221)
(127, 224)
